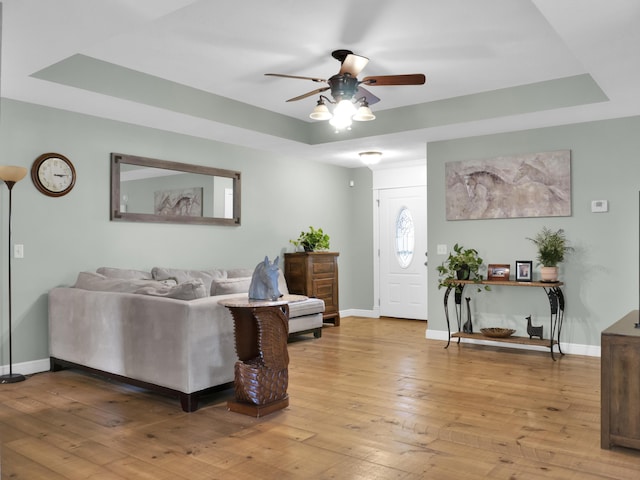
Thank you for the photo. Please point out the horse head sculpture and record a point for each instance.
(264, 281)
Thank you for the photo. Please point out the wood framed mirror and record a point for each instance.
(149, 190)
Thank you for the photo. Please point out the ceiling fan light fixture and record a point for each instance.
(342, 115)
(321, 111)
(370, 158)
(364, 113)
(344, 108)
(341, 122)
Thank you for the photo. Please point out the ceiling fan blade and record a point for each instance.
(308, 94)
(353, 64)
(313, 79)
(369, 97)
(380, 80)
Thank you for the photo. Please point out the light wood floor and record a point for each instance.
(371, 399)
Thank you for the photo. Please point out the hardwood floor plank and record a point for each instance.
(371, 399)
(17, 467)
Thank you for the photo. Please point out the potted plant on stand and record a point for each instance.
(552, 247)
(461, 264)
(312, 240)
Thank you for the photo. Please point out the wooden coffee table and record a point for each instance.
(261, 375)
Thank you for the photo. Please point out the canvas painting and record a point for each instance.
(529, 185)
(185, 202)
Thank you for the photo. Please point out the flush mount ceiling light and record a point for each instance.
(352, 100)
(370, 158)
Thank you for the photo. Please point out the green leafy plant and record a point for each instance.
(312, 240)
(461, 264)
(552, 247)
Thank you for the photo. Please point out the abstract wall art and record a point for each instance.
(525, 185)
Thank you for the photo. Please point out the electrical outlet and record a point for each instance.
(442, 249)
(18, 250)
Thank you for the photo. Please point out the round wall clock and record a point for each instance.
(53, 174)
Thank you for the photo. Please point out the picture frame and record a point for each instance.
(524, 270)
(498, 272)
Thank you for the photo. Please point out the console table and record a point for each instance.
(261, 329)
(556, 306)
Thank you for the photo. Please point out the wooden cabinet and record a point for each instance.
(315, 274)
(620, 383)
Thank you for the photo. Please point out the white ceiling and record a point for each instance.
(462, 46)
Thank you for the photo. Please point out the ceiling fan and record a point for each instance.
(345, 86)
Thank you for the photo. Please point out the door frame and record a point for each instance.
(405, 174)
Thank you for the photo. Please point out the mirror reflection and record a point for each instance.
(149, 190)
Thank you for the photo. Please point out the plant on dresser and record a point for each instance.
(312, 240)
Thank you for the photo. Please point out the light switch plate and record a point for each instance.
(599, 206)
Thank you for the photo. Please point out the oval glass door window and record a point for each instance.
(405, 239)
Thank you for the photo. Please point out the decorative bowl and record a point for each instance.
(497, 332)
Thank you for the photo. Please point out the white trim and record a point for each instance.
(411, 173)
(28, 368)
(569, 348)
(414, 175)
(354, 312)
(376, 251)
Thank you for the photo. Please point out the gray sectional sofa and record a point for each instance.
(163, 330)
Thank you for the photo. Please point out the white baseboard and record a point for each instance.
(354, 312)
(570, 348)
(28, 368)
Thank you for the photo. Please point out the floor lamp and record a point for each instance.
(10, 176)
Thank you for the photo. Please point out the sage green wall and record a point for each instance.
(601, 276)
(62, 236)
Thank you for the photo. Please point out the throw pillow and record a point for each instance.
(189, 290)
(230, 285)
(112, 272)
(181, 275)
(98, 282)
(248, 272)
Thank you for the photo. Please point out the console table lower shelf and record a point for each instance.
(556, 310)
(518, 340)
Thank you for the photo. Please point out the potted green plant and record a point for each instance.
(552, 248)
(312, 240)
(461, 264)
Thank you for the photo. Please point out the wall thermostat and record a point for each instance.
(599, 206)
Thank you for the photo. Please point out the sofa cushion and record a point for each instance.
(112, 272)
(182, 275)
(230, 285)
(305, 323)
(306, 307)
(98, 282)
(189, 290)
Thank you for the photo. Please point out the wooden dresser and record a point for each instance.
(620, 383)
(315, 274)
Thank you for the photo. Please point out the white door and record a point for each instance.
(403, 247)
